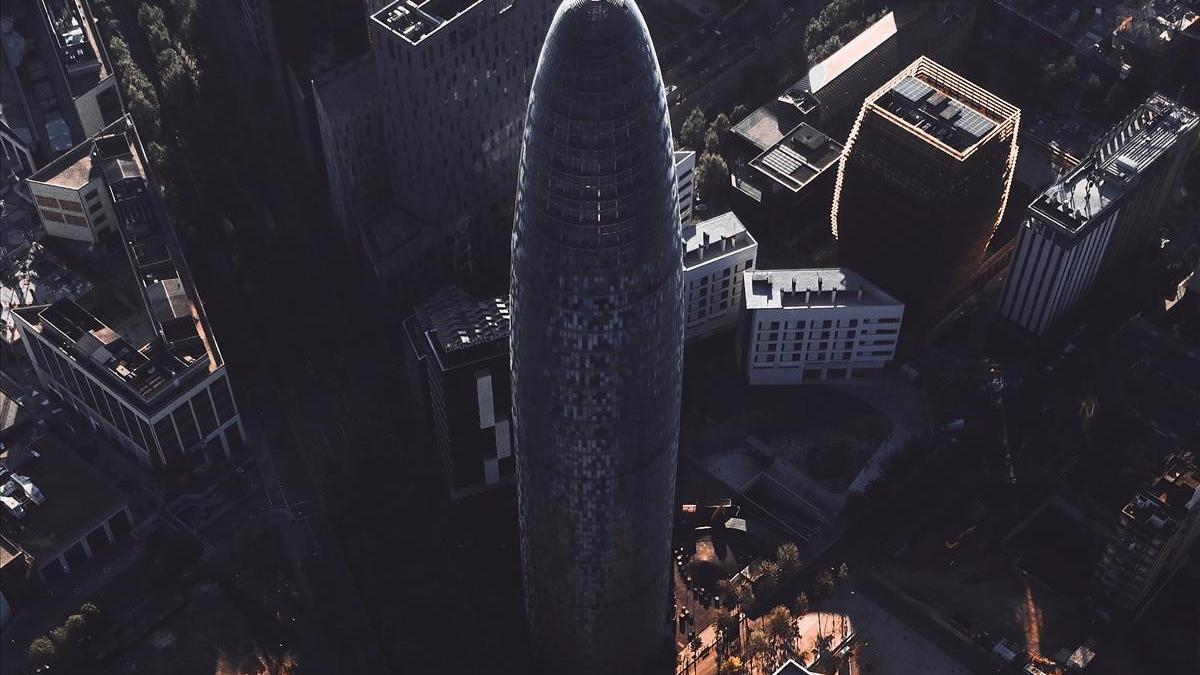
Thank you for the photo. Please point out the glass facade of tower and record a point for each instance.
(597, 344)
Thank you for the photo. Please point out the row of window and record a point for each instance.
(818, 358)
(191, 421)
(827, 323)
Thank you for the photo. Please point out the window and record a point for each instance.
(168, 440)
(70, 206)
(92, 194)
(222, 400)
(95, 207)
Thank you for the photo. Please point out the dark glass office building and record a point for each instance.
(597, 338)
(923, 184)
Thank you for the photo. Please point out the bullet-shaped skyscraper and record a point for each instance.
(597, 337)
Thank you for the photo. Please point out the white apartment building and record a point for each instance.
(685, 181)
(715, 254)
(815, 324)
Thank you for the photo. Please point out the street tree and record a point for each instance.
(712, 176)
(152, 21)
(176, 81)
(720, 125)
(691, 134)
(42, 653)
(712, 142)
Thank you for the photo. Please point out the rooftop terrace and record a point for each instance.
(817, 288)
(413, 21)
(1114, 165)
(799, 157)
(943, 108)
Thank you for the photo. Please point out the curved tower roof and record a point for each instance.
(597, 343)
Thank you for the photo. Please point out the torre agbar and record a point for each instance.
(597, 345)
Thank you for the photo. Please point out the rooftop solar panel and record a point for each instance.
(973, 123)
(912, 89)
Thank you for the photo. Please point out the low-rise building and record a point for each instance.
(59, 86)
(1153, 537)
(815, 324)
(72, 197)
(55, 511)
(716, 253)
(157, 385)
(458, 369)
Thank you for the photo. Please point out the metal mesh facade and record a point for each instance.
(597, 337)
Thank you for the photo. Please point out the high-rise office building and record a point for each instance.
(923, 183)
(456, 349)
(1099, 214)
(453, 78)
(597, 344)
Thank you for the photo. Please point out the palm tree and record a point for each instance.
(728, 628)
(788, 557)
(781, 627)
(801, 606)
(758, 646)
(771, 574)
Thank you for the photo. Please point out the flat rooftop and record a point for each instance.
(714, 238)
(834, 66)
(147, 365)
(1161, 506)
(812, 288)
(769, 124)
(943, 108)
(413, 21)
(77, 499)
(799, 157)
(82, 56)
(1114, 164)
(461, 329)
